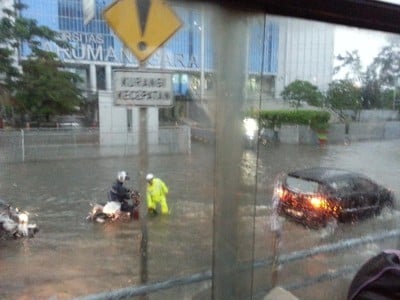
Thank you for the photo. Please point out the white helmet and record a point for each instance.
(122, 176)
(149, 177)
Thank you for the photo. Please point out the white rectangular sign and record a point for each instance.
(136, 88)
(89, 10)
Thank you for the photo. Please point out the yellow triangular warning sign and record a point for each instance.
(142, 25)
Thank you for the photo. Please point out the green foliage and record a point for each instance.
(387, 64)
(343, 95)
(371, 94)
(300, 90)
(378, 79)
(389, 96)
(317, 120)
(43, 88)
(322, 135)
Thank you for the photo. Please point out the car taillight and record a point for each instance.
(279, 191)
(282, 193)
(319, 202)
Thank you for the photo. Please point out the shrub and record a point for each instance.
(317, 120)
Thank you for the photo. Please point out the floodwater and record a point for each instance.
(71, 257)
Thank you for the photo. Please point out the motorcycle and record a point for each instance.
(112, 210)
(15, 223)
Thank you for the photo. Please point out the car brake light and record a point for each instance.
(281, 192)
(319, 202)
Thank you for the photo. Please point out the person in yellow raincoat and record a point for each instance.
(156, 193)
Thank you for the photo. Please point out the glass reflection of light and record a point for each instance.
(249, 165)
(250, 127)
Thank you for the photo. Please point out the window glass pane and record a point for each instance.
(302, 185)
(321, 95)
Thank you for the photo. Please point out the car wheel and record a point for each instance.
(331, 224)
(386, 208)
(280, 211)
(314, 223)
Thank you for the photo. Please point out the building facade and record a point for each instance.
(280, 50)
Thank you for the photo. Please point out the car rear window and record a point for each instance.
(304, 186)
(342, 185)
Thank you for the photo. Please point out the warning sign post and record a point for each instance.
(143, 26)
(141, 88)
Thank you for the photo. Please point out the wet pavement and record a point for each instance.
(70, 257)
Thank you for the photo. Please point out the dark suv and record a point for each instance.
(315, 196)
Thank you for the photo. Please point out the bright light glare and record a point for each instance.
(397, 2)
(317, 202)
(250, 126)
(279, 191)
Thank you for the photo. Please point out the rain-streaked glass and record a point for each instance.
(223, 238)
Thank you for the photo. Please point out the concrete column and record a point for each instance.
(93, 77)
(152, 125)
(108, 78)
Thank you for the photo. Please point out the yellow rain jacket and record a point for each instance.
(157, 193)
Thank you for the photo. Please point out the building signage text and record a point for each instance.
(93, 47)
(142, 88)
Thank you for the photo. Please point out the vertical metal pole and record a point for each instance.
(228, 281)
(276, 239)
(276, 229)
(202, 51)
(143, 158)
(23, 145)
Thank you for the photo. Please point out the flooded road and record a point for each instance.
(70, 257)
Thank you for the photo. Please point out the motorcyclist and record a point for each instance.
(156, 193)
(120, 193)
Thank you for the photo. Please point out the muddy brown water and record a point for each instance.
(71, 257)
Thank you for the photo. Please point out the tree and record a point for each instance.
(300, 90)
(376, 80)
(343, 95)
(44, 89)
(371, 90)
(350, 65)
(386, 67)
(40, 87)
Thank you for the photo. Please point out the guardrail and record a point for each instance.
(52, 144)
(282, 259)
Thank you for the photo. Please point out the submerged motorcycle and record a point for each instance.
(112, 210)
(15, 223)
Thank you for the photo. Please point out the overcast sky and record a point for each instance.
(368, 43)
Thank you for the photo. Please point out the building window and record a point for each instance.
(101, 77)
